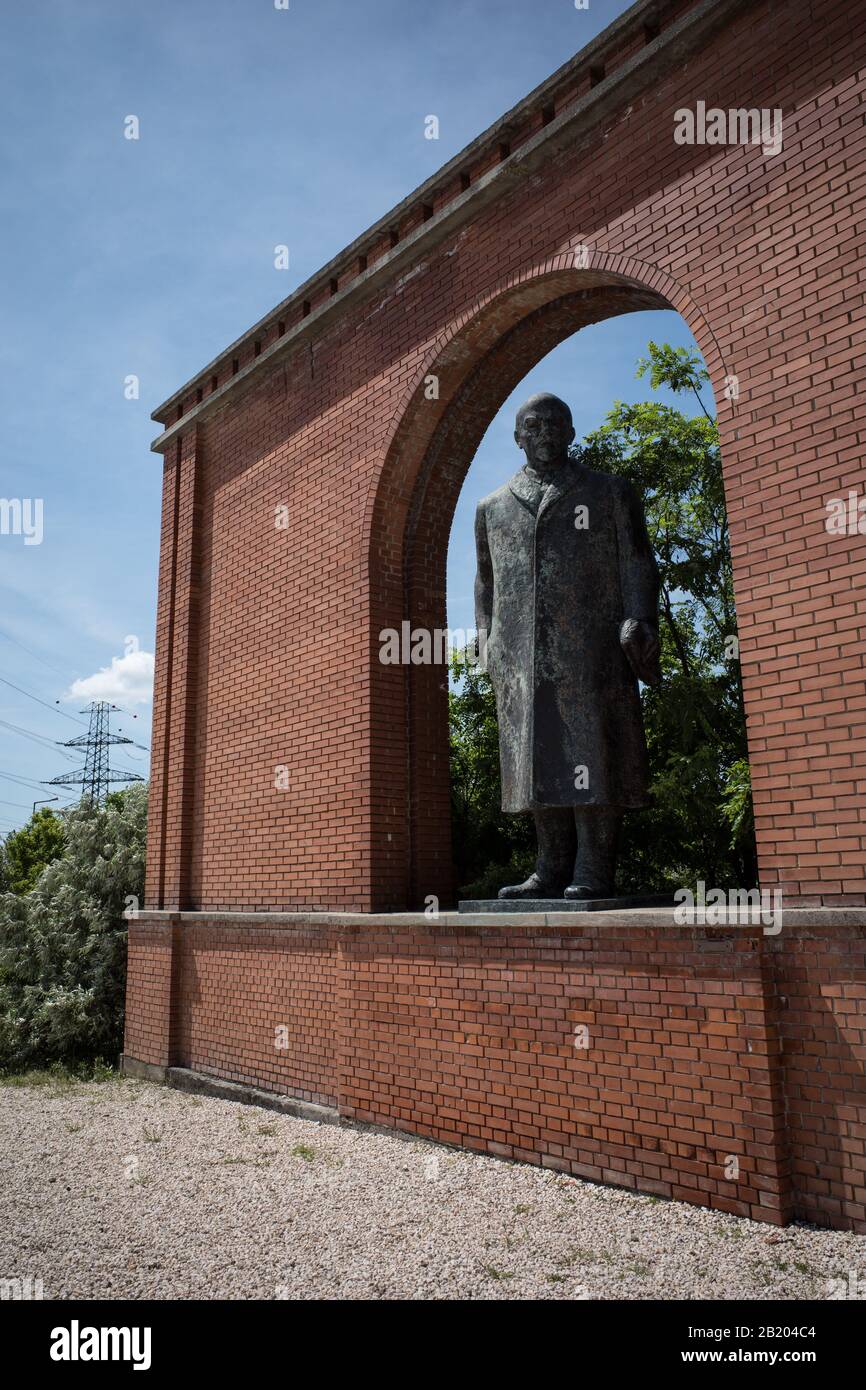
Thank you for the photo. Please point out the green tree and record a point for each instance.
(63, 944)
(700, 824)
(27, 851)
(484, 837)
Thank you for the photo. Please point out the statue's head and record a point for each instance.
(543, 430)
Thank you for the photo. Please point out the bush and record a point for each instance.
(63, 944)
(520, 866)
(29, 850)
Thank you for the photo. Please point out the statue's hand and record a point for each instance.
(639, 640)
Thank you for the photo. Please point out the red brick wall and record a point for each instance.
(703, 1043)
(468, 1036)
(267, 639)
(241, 985)
(820, 979)
(152, 996)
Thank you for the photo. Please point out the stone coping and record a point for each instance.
(535, 905)
(796, 917)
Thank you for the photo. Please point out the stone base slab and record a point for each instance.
(197, 1083)
(546, 905)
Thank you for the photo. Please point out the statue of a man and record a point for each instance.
(567, 593)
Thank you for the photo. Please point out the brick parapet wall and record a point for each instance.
(704, 1044)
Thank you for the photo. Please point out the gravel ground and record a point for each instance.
(123, 1189)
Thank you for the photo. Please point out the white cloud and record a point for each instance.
(127, 681)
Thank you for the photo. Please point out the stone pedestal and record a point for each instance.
(545, 905)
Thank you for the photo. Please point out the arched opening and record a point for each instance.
(466, 379)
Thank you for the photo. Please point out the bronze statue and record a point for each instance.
(567, 595)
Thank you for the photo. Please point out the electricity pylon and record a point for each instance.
(96, 775)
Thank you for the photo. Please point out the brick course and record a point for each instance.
(703, 1043)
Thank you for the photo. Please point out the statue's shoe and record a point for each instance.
(583, 893)
(534, 887)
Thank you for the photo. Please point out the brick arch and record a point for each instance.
(477, 362)
(459, 346)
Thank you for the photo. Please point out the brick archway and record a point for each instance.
(473, 367)
(267, 642)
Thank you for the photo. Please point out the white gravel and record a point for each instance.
(128, 1190)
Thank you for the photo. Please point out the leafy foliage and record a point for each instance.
(483, 835)
(676, 368)
(700, 824)
(27, 851)
(63, 944)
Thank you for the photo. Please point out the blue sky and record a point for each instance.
(258, 126)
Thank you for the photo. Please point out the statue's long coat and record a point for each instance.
(552, 598)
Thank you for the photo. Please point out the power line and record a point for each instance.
(22, 781)
(123, 710)
(35, 655)
(61, 712)
(41, 739)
